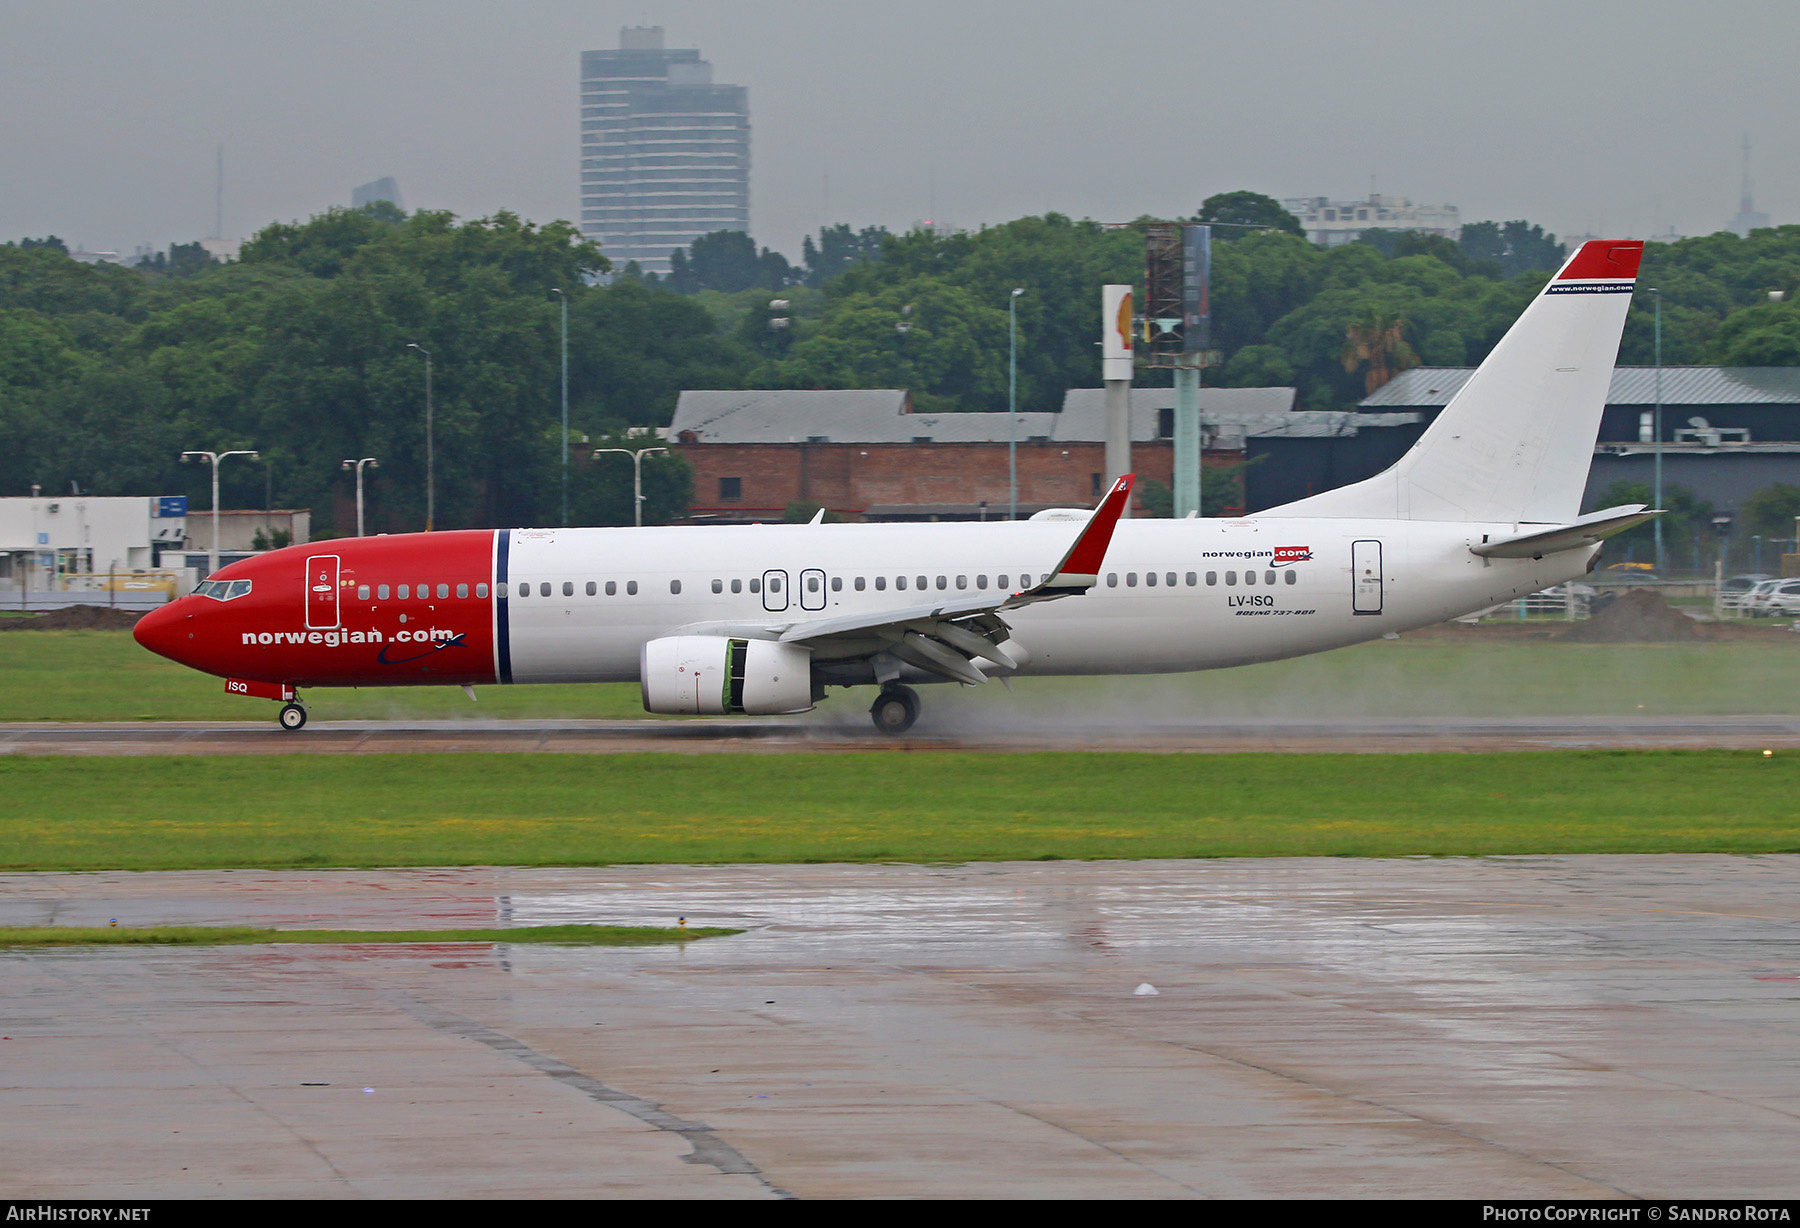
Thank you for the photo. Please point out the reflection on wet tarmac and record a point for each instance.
(1519, 1027)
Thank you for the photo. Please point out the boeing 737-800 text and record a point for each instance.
(761, 619)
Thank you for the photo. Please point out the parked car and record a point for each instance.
(1734, 590)
(1774, 599)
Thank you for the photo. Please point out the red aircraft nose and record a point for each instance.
(162, 630)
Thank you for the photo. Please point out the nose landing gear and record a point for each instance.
(895, 709)
(293, 716)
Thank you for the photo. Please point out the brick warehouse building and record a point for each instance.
(865, 452)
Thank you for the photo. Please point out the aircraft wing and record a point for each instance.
(1589, 530)
(947, 637)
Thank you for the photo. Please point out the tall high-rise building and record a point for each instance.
(665, 153)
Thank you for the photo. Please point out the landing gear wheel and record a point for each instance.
(292, 716)
(895, 710)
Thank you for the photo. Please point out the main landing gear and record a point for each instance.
(293, 716)
(895, 709)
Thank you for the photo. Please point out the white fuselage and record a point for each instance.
(1334, 582)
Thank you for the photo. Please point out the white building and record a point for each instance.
(665, 153)
(43, 540)
(1330, 223)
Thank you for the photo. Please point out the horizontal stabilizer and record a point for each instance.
(1590, 530)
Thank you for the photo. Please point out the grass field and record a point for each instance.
(403, 810)
(105, 676)
(244, 935)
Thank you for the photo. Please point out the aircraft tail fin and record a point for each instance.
(1514, 445)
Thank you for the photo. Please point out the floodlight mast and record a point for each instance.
(1012, 405)
(212, 560)
(430, 451)
(565, 404)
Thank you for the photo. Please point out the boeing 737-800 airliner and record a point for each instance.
(762, 619)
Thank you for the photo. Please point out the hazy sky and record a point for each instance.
(1600, 116)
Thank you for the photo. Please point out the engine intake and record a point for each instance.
(711, 675)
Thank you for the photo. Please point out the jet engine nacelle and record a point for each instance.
(710, 675)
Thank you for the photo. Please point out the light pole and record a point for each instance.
(358, 466)
(430, 451)
(212, 563)
(565, 404)
(1657, 426)
(637, 477)
(1012, 404)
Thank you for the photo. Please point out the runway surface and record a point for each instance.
(773, 736)
(1502, 1027)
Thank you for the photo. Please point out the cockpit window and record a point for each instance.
(222, 590)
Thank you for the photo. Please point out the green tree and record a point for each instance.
(838, 248)
(1771, 510)
(1240, 213)
(1512, 247)
(1766, 335)
(727, 260)
(1685, 515)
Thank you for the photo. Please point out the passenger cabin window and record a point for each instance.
(718, 586)
(737, 586)
(1150, 579)
(1269, 577)
(568, 588)
(1170, 580)
(612, 588)
(943, 582)
(443, 592)
(861, 584)
(755, 586)
(900, 583)
(1191, 577)
(1231, 578)
(405, 592)
(1212, 578)
(1292, 578)
(481, 590)
(462, 590)
(381, 592)
(524, 589)
(1000, 582)
(922, 585)
(592, 588)
(1249, 577)
(837, 584)
(674, 586)
(962, 582)
(1112, 579)
(544, 589)
(880, 584)
(980, 581)
(362, 592)
(631, 588)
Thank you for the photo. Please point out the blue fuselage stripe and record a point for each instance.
(502, 636)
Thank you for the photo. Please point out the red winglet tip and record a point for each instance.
(1604, 258)
(1090, 548)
